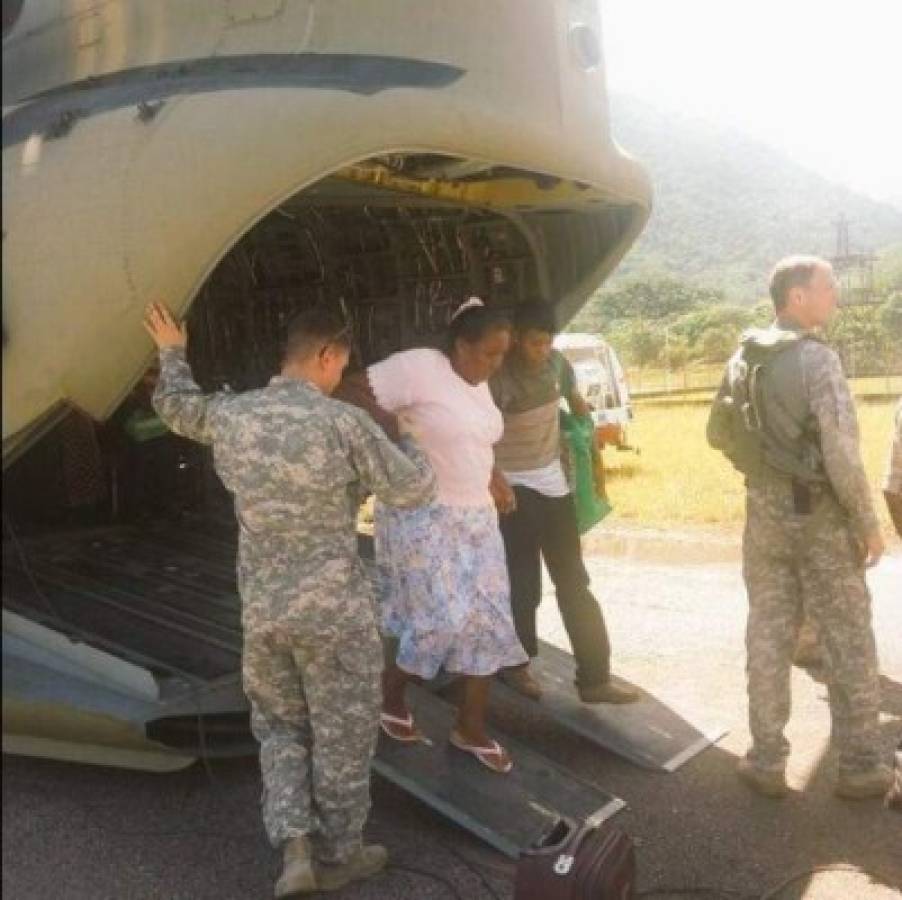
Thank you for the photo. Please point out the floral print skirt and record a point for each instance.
(444, 591)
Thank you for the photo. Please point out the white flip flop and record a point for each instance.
(415, 737)
(483, 754)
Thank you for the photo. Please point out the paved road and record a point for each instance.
(74, 833)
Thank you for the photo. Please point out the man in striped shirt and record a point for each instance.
(542, 521)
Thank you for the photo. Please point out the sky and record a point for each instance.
(821, 81)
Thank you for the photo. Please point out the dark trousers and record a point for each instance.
(545, 527)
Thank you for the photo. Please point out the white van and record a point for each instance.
(601, 381)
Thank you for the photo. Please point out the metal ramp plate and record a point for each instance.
(509, 812)
(647, 733)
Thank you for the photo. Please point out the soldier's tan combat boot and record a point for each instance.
(767, 782)
(893, 799)
(864, 785)
(366, 862)
(297, 870)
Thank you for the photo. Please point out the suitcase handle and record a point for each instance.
(555, 838)
(565, 839)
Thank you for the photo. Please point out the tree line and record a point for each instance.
(672, 323)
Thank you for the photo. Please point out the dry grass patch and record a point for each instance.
(679, 479)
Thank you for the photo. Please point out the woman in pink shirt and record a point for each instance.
(445, 592)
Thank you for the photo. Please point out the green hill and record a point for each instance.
(727, 207)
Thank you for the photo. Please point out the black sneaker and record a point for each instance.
(520, 679)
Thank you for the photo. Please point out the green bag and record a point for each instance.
(144, 426)
(578, 438)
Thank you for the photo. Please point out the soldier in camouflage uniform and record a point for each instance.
(298, 464)
(892, 486)
(892, 491)
(788, 423)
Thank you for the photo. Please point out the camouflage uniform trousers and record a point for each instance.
(315, 705)
(807, 564)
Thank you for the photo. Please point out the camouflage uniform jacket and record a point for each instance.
(893, 482)
(892, 485)
(297, 463)
(833, 409)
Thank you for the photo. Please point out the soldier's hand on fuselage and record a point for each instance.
(874, 547)
(163, 328)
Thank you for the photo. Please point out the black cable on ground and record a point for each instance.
(773, 892)
(476, 870)
(451, 887)
(770, 894)
(701, 889)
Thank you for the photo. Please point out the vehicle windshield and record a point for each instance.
(581, 354)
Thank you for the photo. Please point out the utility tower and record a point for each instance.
(855, 270)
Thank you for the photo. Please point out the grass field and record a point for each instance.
(679, 479)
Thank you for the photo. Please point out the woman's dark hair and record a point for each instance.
(473, 324)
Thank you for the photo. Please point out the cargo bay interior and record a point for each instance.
(119, 533)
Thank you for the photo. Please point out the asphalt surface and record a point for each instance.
(676, 619)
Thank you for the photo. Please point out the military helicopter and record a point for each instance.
(240, 159)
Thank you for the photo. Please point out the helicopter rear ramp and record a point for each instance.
(123, 647)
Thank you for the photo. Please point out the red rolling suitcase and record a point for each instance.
(578, 862)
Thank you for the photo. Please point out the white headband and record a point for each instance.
(472, 303)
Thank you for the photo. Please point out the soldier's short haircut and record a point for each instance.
(789, 273)
(314, 328)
